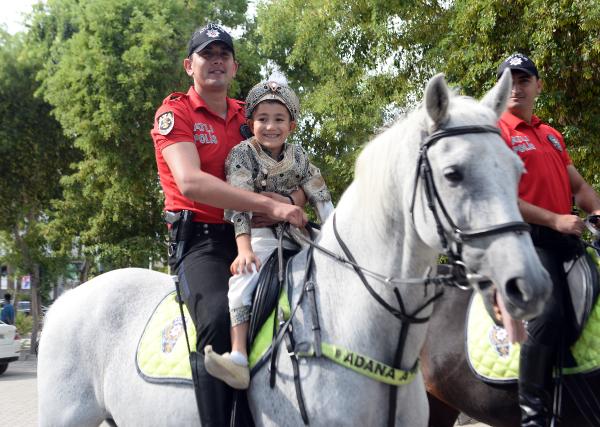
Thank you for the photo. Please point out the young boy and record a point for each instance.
(262, 163)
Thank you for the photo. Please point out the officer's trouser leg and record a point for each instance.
(203, 274)
(535, 385)
(213, 397)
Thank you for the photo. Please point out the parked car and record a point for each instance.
(10, 345)
(24, 307)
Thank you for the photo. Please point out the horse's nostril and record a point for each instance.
(516, 291)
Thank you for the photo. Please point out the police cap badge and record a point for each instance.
(165, 122)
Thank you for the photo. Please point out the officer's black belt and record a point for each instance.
(203, 228)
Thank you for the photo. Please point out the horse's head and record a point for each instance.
(470, 177)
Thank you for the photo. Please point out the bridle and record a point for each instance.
(458, 235)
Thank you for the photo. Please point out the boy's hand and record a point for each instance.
(245, 262)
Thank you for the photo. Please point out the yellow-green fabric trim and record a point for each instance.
(368, 367)
(594, 256)
(263, 339)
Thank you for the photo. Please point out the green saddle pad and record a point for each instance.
(494, 359)
(162, 353)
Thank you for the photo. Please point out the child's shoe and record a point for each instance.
(225, 369)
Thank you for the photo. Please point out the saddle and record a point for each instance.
(268, 291)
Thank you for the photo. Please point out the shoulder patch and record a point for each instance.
(554, 141)
(165, 122)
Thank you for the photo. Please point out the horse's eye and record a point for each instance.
(452, 174)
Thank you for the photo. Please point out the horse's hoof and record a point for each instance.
(223, 368)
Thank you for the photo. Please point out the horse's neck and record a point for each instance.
(350, 315)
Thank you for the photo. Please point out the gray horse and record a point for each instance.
(86, 370)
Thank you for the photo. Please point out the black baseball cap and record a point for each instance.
(202, 37)
(518, 61)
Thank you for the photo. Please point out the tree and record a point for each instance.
(356, 65)
(359, 63)
(107, 65)
(563, 38)
(34, 155)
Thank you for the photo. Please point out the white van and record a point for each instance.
(10, 345)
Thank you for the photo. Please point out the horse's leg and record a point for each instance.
(66, 395)
(440, 414)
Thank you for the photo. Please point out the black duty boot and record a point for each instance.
(535, 385)
(213, 396)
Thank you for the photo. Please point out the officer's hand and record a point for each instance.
(290, 213)
(569, 224)
(264, 220)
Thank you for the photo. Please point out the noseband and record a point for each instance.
(458, 235)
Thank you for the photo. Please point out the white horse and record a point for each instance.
(86, 370)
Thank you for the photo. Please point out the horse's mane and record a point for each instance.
(381, 168)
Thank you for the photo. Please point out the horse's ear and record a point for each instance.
(497, 97)
(437, 97)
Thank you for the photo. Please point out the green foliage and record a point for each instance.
(563, 38)
(356, 63)
(23, 323)
(354, 66)
(35, 154)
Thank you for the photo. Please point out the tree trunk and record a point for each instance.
(84, 271)
(35, 306)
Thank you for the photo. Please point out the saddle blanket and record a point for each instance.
(494, 359)
(162, 354)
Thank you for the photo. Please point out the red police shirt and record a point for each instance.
(545, 182)
(185, 117)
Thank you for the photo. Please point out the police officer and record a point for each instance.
(546, 191)
(193, 134)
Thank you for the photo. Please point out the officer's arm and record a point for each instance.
(568, 224)
(585, 196)
(195, 184)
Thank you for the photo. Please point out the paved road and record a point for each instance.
(18, 395)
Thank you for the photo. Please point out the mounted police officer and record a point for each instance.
(546, 192)
(193, 134)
